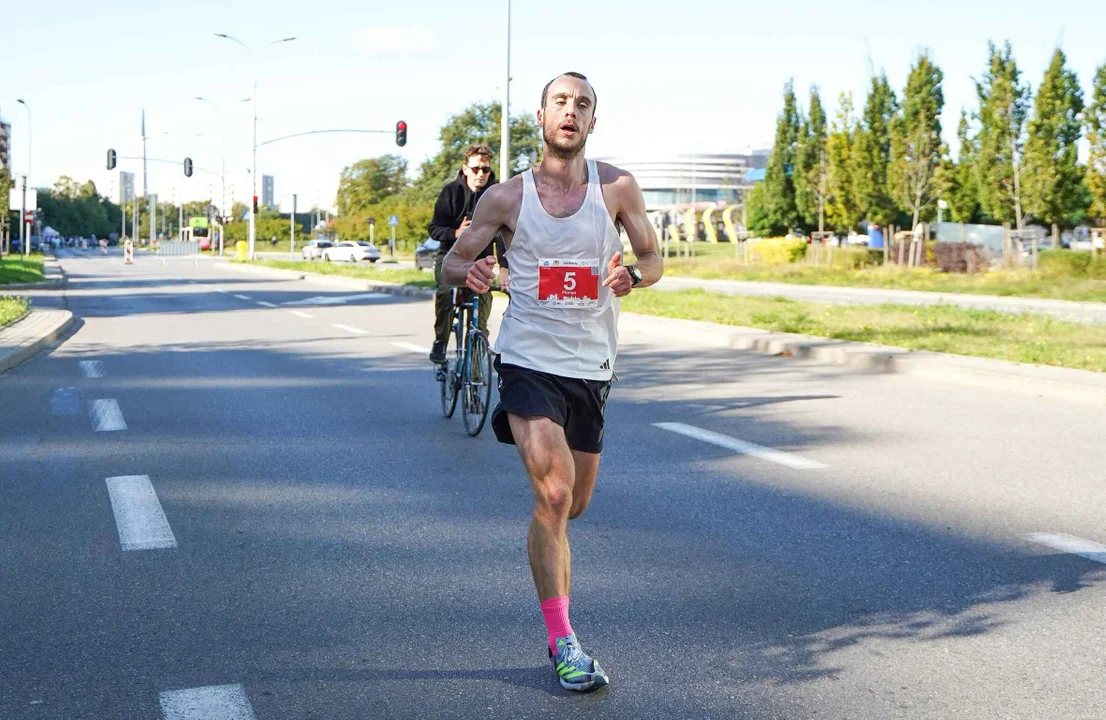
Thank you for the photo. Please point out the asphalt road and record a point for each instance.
(339, 550)
(1084, 312)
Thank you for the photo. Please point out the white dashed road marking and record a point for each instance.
(92, 368)
(301, 314)
(216, 702)
(138, 514)
(66, 402)
(265, 304)
(106, 416)
(412, 347)
(243, 297)
(324, 300)
(745, 448)
(347, 328)
(1070, 544)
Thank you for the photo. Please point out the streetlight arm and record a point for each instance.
(234, 39)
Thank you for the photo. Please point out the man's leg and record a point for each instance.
(586, 469)
(485, 311)
(443, 298)
(549, 463)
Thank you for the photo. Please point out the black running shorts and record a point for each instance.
(575, 404)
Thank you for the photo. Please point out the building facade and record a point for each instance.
(683, 181)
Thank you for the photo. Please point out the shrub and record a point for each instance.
(854, 258)
(778, 250)
(960, 257)
(1064, 263)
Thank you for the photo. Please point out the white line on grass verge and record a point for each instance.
(243, 297)
(347, 328)
(297, 313)
(92, 368)
(745, 448)
(265, 304)
(412, 347)
(106, 416)
(138, 514)
(1070, 544)
(216, 702)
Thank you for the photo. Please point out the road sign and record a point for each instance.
(15, 199)
(393, 220)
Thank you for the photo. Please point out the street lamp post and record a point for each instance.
(223, 142)
(505, 125)
(253, 174)
(25, 237)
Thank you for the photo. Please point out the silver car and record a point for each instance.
(314, 249)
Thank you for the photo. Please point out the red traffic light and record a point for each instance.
(401, 133)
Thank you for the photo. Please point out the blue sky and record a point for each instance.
(702, 74)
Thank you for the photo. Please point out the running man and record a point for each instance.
(559, 337)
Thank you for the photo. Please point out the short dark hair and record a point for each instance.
(578, 76)
(481, 150)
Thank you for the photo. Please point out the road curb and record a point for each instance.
(1079, 386)
(336, 280)
(36, 331)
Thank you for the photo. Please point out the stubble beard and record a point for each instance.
(560, 149)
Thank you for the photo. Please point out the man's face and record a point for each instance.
(478, 170)
(568, 116)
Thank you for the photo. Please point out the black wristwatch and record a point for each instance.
(635, 275)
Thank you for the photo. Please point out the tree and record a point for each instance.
(1096, 137)
(959, 185)
(842, 203)
(1003, 107)
(808, 171)
(872, 153)
(772, 209)
(66, 187)
(1053, 179)
(370, 181)
(478, 123)
(916, 148)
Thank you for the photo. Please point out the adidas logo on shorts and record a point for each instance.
(606, 365)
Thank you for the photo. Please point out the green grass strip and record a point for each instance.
(14, 269)
(12, 309)
(418, 278)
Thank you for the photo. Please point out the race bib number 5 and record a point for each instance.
(568, 282)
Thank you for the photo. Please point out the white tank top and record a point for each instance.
(561, 319)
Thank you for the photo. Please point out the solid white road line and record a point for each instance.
(243, 297)
(412, 347)
(347, 328)
(745, 448)
(106, 416)
(216, 702)
(138, 514)
(92, 368)
(265, 304)
(66, 402)
(221, 290)
(298, 313)
(1070, 544)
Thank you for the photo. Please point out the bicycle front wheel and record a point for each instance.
(477, 386)
(449, 375)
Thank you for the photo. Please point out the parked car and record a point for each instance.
(314, 249)
(352, 251)
(425, 252)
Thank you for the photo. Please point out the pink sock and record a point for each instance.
(555, 613)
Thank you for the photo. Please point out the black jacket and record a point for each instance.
(454, 203)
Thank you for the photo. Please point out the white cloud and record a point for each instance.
(380, 39)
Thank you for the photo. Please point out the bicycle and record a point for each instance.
(467, 371)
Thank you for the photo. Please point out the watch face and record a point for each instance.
(635, 274)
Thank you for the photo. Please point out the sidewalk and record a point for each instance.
(38, 330)
(1083, 312)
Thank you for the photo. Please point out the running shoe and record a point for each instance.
(575, 669)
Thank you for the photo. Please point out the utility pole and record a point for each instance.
(145, 184)
(505, 127)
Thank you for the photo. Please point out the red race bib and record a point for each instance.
(569, 282)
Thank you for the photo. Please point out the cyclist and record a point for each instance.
(559, 335)
(452, 216)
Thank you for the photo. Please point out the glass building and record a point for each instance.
(677, 182)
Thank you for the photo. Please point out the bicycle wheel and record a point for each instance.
(477, 388)
(449, 374)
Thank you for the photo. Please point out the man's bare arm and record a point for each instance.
(642, 234)
(459, 267)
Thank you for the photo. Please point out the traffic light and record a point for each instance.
(111, 159)
(188, 167)
(255, 205)
(5, 144)
(401, 133)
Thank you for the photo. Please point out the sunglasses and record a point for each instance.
(485, 169)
